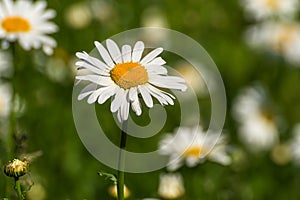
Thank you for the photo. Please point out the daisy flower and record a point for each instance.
(27, 23)
(280, 38)
(171, 186)
(193, 146)
(123, 75)
(258, 129)
(261, 9)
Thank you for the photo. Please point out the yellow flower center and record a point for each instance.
(194, 151)
(284, 38)
(15, 24)
(130, 74)
(272, 4)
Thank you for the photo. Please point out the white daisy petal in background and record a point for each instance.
(5, 99)
(123, 75)
(261, 9)
(171, 186)
(6, 68)
(257, 124)
(282, 38)
(295, 145)
(27, 23)
(192, 146)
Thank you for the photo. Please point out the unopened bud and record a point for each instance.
(16, 168)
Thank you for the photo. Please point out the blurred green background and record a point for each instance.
(63, 169)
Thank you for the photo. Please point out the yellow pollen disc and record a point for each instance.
(193, 152)
(15, 24)
(130, 74)
(272, 4)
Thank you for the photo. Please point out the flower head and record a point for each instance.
(280, 38)
(27, 23)
(261, 9)
(123, 75)
(16, 168)
(193, 146)
(171, 186)
(258, 129)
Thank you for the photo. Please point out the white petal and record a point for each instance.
(100, 80)
(93, 61)
(125, 109)
(170, 82)
(137, 51)
(132, 93)
(156, 69)
(163, 97)
(85, 65)
(106, 93)
(104, 54)
(157, 61)
(136, 107)
(94, 96)
(126, 53)
(87, 91)
(150, 56)
(114, 51)
(146, 96)
(116, 103)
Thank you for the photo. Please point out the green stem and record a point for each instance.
(12, 114)
(121, 164)
(18, 189)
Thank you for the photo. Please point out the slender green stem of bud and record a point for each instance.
(121, 165)
(18, 189)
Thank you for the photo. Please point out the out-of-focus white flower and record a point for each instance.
(5, 99)
(261, 9)
(171, 186)
(78, 15)
(295, 144)
(124, 75)
(193, 146)
(27, 23)
(258, 129)
(6, 67)
(280, 38)
(281, 154)
(192, 77)
(113, 191)
(154, 17)
(107, 13)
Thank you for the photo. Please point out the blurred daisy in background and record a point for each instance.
(6, 68)
(5, 99)
(112, 190)
(261, 9)
(280, 38)
(27, 23)
(295, 145)
(193, 146)
(123, 75)
(78, 15)
(171, 186)
(257, 129)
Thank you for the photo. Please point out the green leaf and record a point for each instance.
(108, 176)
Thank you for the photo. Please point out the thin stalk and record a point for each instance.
(121, 164)
(18, 189)
(12, 114)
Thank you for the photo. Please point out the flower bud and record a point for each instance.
(16, 168)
